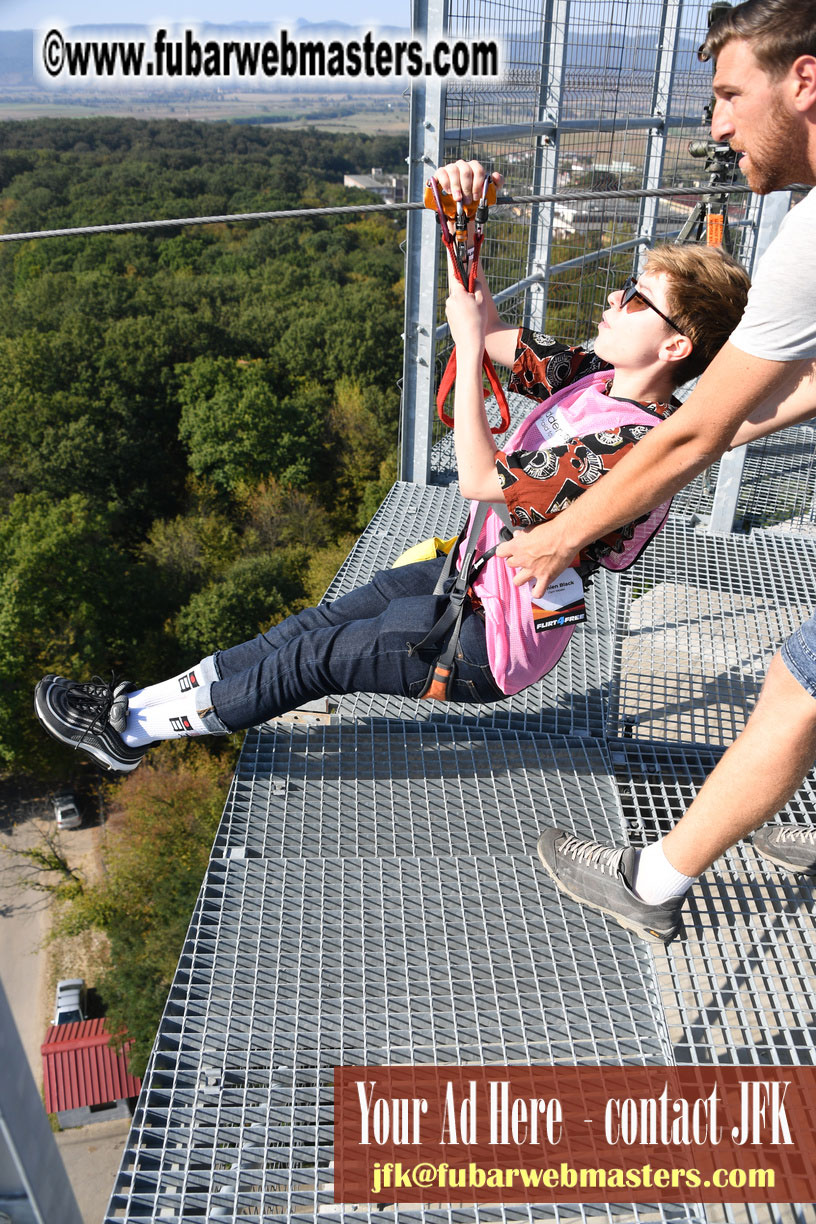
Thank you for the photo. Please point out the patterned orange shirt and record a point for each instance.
(537, 485)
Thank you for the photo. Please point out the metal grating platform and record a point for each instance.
(443, 455)
(572, 700)
(373, 894)
(338, 924)
(395, 789)
(778, 484)
(328, 932)
(739, 988)
(704, 617)
(410, 513)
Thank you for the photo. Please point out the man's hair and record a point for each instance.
(707, 292)
(778, 31)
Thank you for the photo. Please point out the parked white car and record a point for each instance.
(70, 1005)
(66, 812)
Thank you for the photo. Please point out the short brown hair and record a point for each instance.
(778, 31)
(707, 292)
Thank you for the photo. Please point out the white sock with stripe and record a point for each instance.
(168, 710)
(167, 690)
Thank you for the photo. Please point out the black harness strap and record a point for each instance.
(442, 670)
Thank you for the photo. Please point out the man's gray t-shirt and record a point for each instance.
(779, 323)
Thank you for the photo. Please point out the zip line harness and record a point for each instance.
(465, 264)
(443, 669)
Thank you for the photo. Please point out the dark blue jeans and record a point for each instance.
(357, 644)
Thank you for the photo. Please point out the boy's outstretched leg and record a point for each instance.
(116, 723)
(334, 649)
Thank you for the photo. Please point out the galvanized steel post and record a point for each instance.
(426, 152)
(771, 213)
(545, 173)
(661, 101)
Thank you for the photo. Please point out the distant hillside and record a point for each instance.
(16, 57)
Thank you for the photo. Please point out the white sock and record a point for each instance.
(655, 878)
(168, 710)
(168, 690)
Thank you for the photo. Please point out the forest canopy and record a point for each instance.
(194, 420)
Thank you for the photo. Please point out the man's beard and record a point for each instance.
(778, 157)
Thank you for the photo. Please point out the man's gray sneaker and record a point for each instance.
(601, 876)
(90, 717)
(787, 846)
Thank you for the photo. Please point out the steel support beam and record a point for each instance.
(661, 97)
(769, 216)
(545, 171)
(426, 152)
(545, 127)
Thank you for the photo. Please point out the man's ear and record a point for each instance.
(802, 80)
(676, 348)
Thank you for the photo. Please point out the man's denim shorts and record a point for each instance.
(799, 655)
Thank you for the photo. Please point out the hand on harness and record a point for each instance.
(465, 264)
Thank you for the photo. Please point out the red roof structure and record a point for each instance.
(80, 1067)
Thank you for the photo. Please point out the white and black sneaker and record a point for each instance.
(89, 717)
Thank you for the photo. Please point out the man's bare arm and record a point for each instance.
(671, 455)
(790, 403)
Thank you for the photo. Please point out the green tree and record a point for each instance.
(162, 822)
(66, 605)
(255, 593)
(365, 457)
(238, 423)
(280, 515)
(189, 549)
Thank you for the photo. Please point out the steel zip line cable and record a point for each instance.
(279, 214)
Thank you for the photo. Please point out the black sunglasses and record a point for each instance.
(631, 293)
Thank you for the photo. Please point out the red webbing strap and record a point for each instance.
(448, 379)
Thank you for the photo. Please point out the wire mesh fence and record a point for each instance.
(777, 490)
(603, 95)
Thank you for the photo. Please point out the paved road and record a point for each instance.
(92, 1155)
(22, 964)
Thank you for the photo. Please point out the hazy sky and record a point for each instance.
(31, 14)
